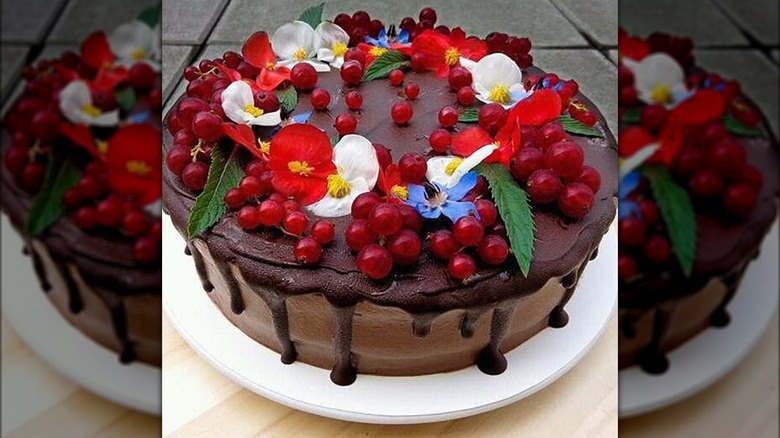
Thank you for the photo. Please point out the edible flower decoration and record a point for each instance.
(433, 199)
(298, 42)
(301, 158)
(257, 51)
(392, 184)
(702, 107)
(134, 162)
(129, 43)
(498, 79)
(658, 78)
(443, 52)
(374, 47)
(238, 103)
(77, 106)
(331, 42)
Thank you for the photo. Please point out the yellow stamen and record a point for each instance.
(301, 168)
(91, 110)
(452, 166)
(270, 66)
(451, 56)
(339, 49)
(300, 54)
(578, 105)
(264, 146)
(338, 187)
(377, 51)
(139, 54)
(102, 146)
(662, 93)
(255, 111)
(138, 167)
(500, 94)
(400, 192)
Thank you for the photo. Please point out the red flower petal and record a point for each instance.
(700, 108)
(305, 190)
(472, 48)
(632, 139)
(80, 135)
(537, 109)
(131, 147)
(269, 80)
(300, 142)
(257, 50)
(229, 72)
(433, 45)
(95, 51)
(469, 140)
(633, 47)
(406, 49)
(243, 135)
(107, 79)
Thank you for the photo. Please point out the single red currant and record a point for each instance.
(396, 77)
(385, 219)
(146, 250)
(412, 220)
(493, 249)
(461, 266)
(270, 213)
(323, 232)
(443, 244)
(689, 161)
(575, 200)
(303, 76)
(466, 96)
(448, 117)
(740, 200)
(383, 155)
(631, 231)
(320, 99)
(413, 167)
(440, 140)
(135, 224)
(491, 117)
(728, 158)
(375, 261)
(267, 101)
(412, 91)
(468, 230)
(345, 124)
(194, 175)
(71, 198)
(488, 214)
(458, 78)
(649, 211)
(551, 133)
(109, 212)
(250, 186)
(295, 222)
(544, 186)
(234, 198)
(590, 177)
(657, 249)
(352, 72)
(752, 177)
(248, 217)
(142, 76)
(524, 162)
(86, 217)
(401, 112)
(31, 178)
(354, 100)
(626, 267)
(363, 204)
(653, 116)
(405, 247)
(706, 184)
(307, 251)
(565, 159)
(359, 234)
(290, 205)
(355, 54)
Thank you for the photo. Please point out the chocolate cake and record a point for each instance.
(677, 276)
(82, 186)
(381, 284)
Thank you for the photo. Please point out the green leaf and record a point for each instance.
(384, 64)
(512, 203)
(312, 15)
(734, 126)
(335, 139)
(47, 206)
(224, 174)
(151, 15)
(677, 212)
(574, 126)
(470, 115)
(288, 97)
(125, 98)
(632, 116)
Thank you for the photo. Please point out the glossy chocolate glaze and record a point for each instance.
(264, 258)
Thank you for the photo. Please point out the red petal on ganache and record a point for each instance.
(540, 107)
(700, 108)
(257, 50)
(80, 135)
(107, 79)
(269, 80)
(96, 52)
(305, 190)
(633, 47)
(633, 139)
(243, 135)
(467, 141)
(140, 144)
(300, 142)
(433, 45)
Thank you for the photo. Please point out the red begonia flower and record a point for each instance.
(442, 51)
(134, 162)
(301, 158)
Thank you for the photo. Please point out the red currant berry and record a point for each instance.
(86, 217)
(752, 177)
(234, 198)
(401, 112)
(418, 61)
(448, 117)
(544, 186)
(740, 200)
(524, 162)
(626, 267)
(428, 14)
(689, 161)
(412, 220)
(31, 178)
(359, 234)
(345, 124)
(375, 261)
(468, 230)
(706, 184)
(270, 213)
(232, 59)
(363, 204)
(628, 96)
(323, 232)
(45, 124)
(15, 159)
(466, 96)
(440, 140)
(493, 249)
(256, 168)
(250, 186)
(191, 73)
(575, 200)
(565, 159)
(352, 72)
(354, 100)
(194, 175)
(320, 99)
(458, 78)
(413, 167)
(266, 179)
(492, 117)
(134, 223)
(383, 155)
(267, 101)
(412, 91)
(290, 205)
(248, 217)
(396, 77)
(207, 126)
(590, 177)
(551, 133)
(71, 198)
(657, 249)
(142, 76)
(355, 54)
(631, 231)
(89, 187)
(405, 247)
(443, 244)
(488, 214)
(728, 158)
(649, 211)
(653, 116)
(461, 266)
(303, 76)
(307, 251)
(146, 250)
(295, 222)
(109, 212)
(385, 219)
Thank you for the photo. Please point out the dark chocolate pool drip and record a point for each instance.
(278, 307)
(187, 250)
(652, 358)
(558, 316)
(119, 321)
(491, 360)
(236, 300)
(421, 324)
(720, 316)
(629, 323)
(40, 271)
(200, 266)
(25, 250)
(469, 322)
(75, 304)
(343, 372)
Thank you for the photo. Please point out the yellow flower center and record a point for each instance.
(102, 146)
(500, 94)
(451, 56)
(662, 93)
(255, 111)
(579, 106)
(138, 167)
(452, 166)
(270, 66)
(91, 110)
(400, 192)
(377, 51)
(300, 54)
(139, 54)
(301, 168)
(339, 49)
(264, 146)
(338, 187)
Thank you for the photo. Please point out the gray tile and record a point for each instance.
(82, 17)
(189, 21)
(596, 76)
(538, 19)
(13, 59)
(755, 72)
(757, 17)
(613, 55)
(50, 51)
(596, 18)
(776, 55)
(698, 19)
(210, 52)
(26, 21)
(173, 59)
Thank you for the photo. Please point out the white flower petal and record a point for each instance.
(320, 67)
(656, 69)
(72, 100)
(109, 118)
(235, 98)
(291, 37)
(469, 163)
(337, 207)
(467, 64)
(327, 34)
(337, 62)
(496, 69)
(437, 169)
(267, 119)
(636, 160)
(355, 158)
(129, 37)
(325, 55)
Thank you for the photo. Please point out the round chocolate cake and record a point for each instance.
(698, 193)
(81, 150)
(382, 201)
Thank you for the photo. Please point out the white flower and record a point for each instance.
(238, 102)
(331, 42)
(136, 42)
(447, 170)
(357, 171)
(296, 42)
(658, 78)
(498, 79)
(76, 105)
(626, 165)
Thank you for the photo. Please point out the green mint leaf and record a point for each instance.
(151, 15)
(734, 126)
(125, 98)
(677, 213)
(470, 115)
(384, 64)
(574, 126)
(224, 174)
(335, 139)
(288, 97)
(313, 15)
(513, 206)
(47, 207)
(632, 116)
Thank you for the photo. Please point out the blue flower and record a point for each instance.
(433, 199)
(628, 184)
(383, 41)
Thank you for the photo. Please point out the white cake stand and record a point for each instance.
(706, 358)
(404, 400)
(53, 339)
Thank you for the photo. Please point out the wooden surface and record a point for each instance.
(198, 400)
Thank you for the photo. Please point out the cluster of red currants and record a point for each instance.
(358, 26)
(517, 48)
(642, 237)
(426, 21)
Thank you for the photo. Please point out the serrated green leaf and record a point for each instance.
(47, 207)
(151, 15)
(574, 126)
(513, 206)
(632, 116)
(125, 98)
(334, 140)
(734, 126)
(313, 15)
(677, 212)
(224, 174)
(384, 64)
(288, 98)
(470, 115)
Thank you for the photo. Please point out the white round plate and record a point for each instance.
(702, 361)
(67, 350)
(404, 400)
